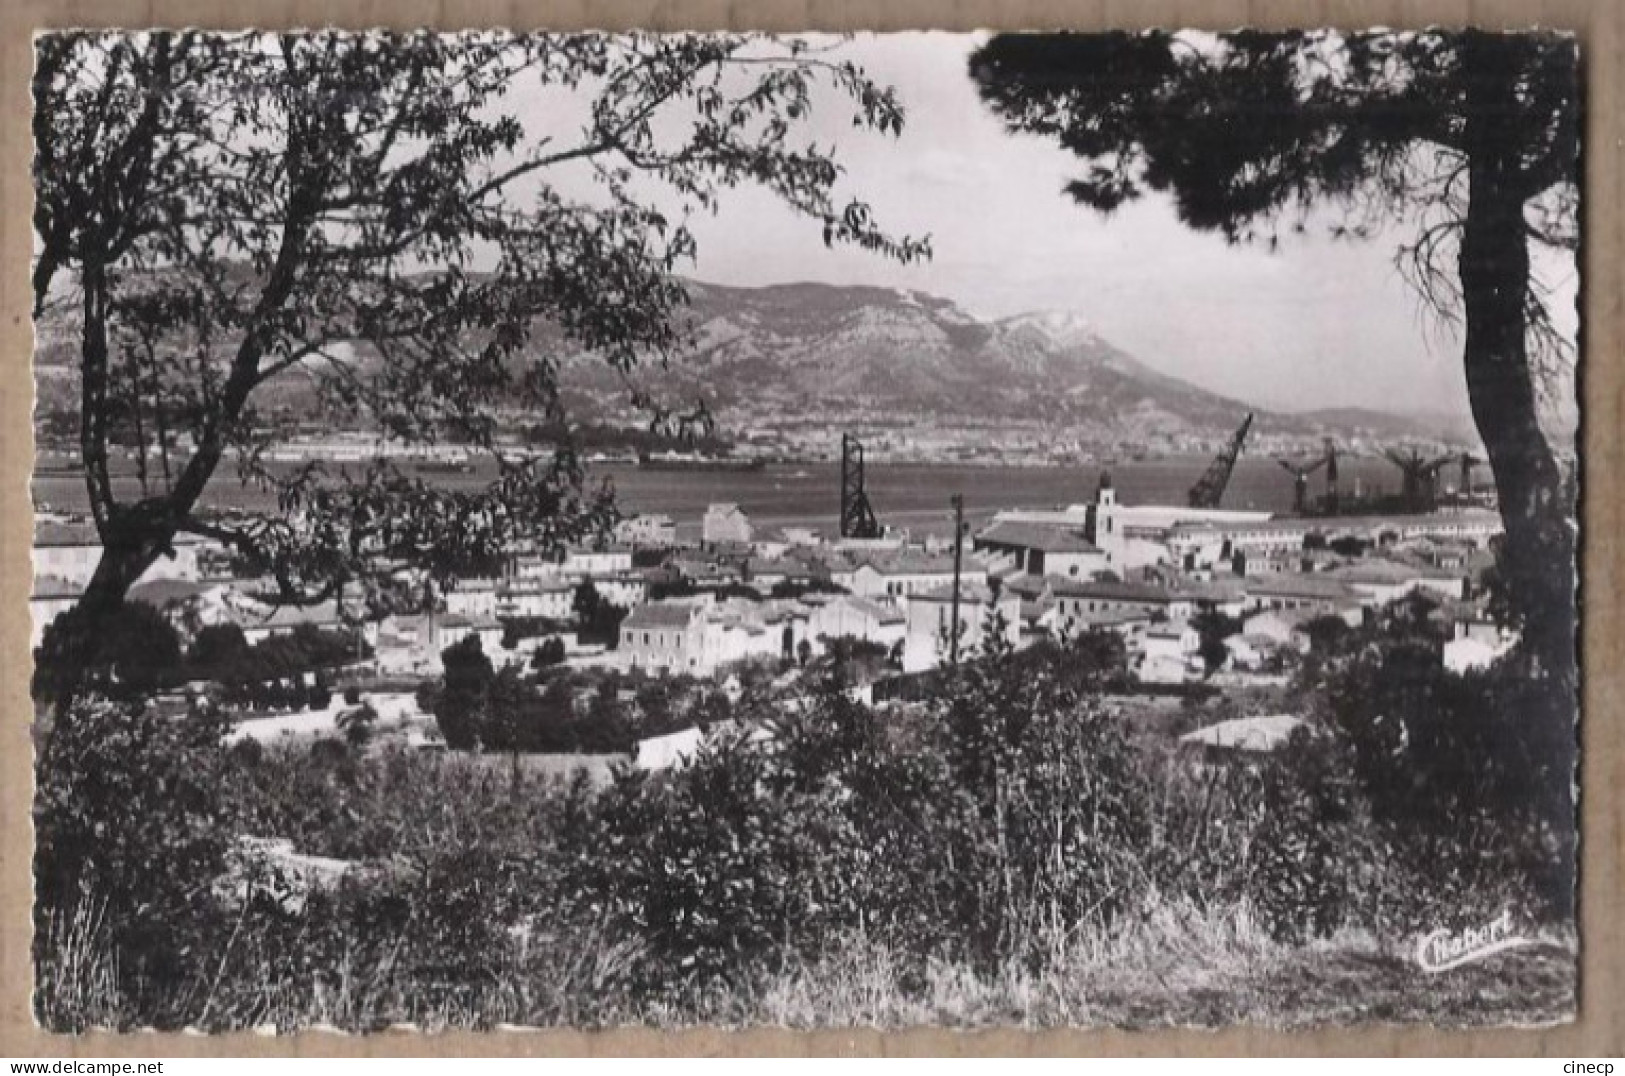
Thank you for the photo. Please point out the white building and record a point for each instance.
(647, 531)
(624, 589)
(1478, 644)
(587, 562)
(899, 575)
(699, 635)
(1174, 639)
(927, 642)
(70, 551)
(1077, 600)
(1383, 581)
(552, 598)
(725, 523)
(473, 598)
(1317, 593)
(1040, 549)
(858, 618)
(451, 629)
(411, 645)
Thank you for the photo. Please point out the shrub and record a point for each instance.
(1470, 777)
(129, 654)
(129, 821)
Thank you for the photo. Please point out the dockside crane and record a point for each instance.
(1209, 489)
(857, 514)
(1468, 462)
(1334, 501)
(1300, 473)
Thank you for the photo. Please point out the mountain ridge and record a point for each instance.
(805, 353)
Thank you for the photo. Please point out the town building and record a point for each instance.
(698, 635)
(725, 523)
(1167, 654)
(1315, 593)
(590, 562)
(903, 574)
(284, 620)
(1382, 581)
(927, 642)
(858, 618)
(549, 598)
(70, 550)
(1077, 599)
(1040, 549)
(647, 531)
(473, 597)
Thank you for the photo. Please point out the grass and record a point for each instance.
(1182, 968)
(1177, 967)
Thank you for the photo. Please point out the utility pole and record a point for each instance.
(959, 551)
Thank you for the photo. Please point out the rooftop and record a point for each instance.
(323, 614)
(49, 533)
(1293, 585)
(1133, 592)
(1386, 571)
(662, 614)
(975, 593)
(918, 563)
(1046, 539)
(885, 614)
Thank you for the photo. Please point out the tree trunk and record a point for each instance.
(1539, 559)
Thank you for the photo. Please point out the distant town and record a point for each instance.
(1204, 598)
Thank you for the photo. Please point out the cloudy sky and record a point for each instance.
(1316, 324)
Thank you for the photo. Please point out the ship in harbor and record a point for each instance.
(695, 461)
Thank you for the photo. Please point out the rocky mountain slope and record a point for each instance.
(831, 354)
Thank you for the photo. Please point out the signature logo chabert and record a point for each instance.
(1444, 949)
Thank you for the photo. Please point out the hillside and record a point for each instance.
(815, 354)
(810, 348)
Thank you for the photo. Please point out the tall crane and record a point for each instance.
(1420, 476)
(857, 514)
(1468, 462)
(1300, 473)
(1209, 489)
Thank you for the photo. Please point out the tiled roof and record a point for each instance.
(919, 564)
(1111, 617)
(968, 592)
(325, 614)
(1037, 536)
(1292, 585)
(1132, 592)
(661, 615)
(884, 614)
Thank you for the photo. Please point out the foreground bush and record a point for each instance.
(130, 835)
(1005, 834)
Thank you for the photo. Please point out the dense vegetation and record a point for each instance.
(145, 654)
(1015, 829)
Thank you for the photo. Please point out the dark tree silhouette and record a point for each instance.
(366, 217)
(1471, 137)
(459, 708)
